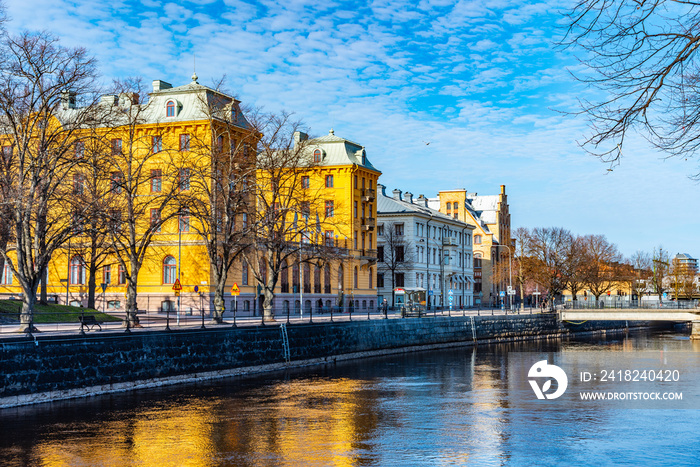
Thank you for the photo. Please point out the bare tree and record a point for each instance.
(577, 262)
(286, 219)
(642, 55)
(39, 82)
(395, 253)
(660, 269)
(548, 254)
(640, 264)
(602, 271)
(133, 219)
(223, 174)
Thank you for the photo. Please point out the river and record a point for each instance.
(456, 406)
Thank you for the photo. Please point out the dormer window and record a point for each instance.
(364, 158)
(170, 109)
(317, 155)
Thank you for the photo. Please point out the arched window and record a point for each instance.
(327, 278)
(317, 155)
(170, 109)
(456, 206)
(284, 277)
(317, 279)
(169, 270)
(355, 281)
(341, 278)
(477, 239)
(370, 278)
(77, 270)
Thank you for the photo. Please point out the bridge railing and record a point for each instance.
(592, 304)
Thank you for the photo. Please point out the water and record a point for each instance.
(448, 407)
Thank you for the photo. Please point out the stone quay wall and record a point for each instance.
(46, 368)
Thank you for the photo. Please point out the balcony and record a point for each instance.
(368, 194)
(368, 223)
(449, 241)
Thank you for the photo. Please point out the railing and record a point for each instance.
(605, 302)
(69, 322)
(368, 223)
(368, 194)
(368, 253)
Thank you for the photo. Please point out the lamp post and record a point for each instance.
(510, 271)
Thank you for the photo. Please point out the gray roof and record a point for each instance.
(389, 205)
(340, 151)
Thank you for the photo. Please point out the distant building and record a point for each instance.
(492, 241)
(418, 246)
(687, 263)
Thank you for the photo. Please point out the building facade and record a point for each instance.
(174, 124)
(492, 237)
(421, 247)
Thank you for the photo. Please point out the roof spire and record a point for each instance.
(194, 68)
(331, 132)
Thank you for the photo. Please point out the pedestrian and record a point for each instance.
(385, 307)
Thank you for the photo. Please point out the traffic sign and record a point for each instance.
(449, 292)
(176, 286)
(177, 293)
(235, 290)
(103, 286)
(502, 293)
(509, 288)
(196, 288)
(511, 292)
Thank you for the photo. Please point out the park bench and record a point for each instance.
(88, 321)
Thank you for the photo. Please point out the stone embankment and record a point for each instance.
(48, 368)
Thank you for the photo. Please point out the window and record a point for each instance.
(398, 229)
(449, 207)
(477, 260)
(77, 224)
(77, 270)
(78, 184)
(6, 275)
(317, 279)
(116, 182)
(156, 180)
(284, 277)
(329, 208)
(327, 278)
(307, 278)
(456, 206)
(220, 144)
(370, 278)
(244, 272)
(317, 155)
(107, 274)
(356, 182)
(380, 254)
(380, 229)
(156, 144)
(155, 219)
(341, 277)
(370, 240)
(399, 276)
(477, 239)
(170, 109)
(184, 142)
(185, 220)
(184, 179)
(116, 146)
(79, 149)
(7, 152)
(399, 254)
(329, 181)
(122, 275)
(328, 237)
(355, 278)
(363, 210)
(380, 280)
(305, 182)
(113, 305)
(169, 270)
(355, 209)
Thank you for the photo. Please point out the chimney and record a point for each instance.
(381, 188)
(422, 201)
(408, 197)
(300, 136)
(108, 99)
(160, 85)
(397, 194)
(503, 189)
(68, 99)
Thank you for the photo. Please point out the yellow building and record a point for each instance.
(171, 137)
(492, 241)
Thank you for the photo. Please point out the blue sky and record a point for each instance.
(481, 81)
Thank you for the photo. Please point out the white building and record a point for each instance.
(434, 250)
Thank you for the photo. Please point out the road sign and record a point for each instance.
(430, 292)
(502, 293)
(177, 293)
(235, 291)
(176, 286)
(196, 288)
(510, 288)
(511, 292)
(103, 286)
(449, 292)
(450, 299)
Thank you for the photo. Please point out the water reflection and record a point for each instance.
(451, 407)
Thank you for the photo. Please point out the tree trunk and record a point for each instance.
(219, 303)
(131, 308)
(92, 284)
(26, 317)
(269, 293)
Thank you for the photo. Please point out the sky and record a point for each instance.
(443, 95)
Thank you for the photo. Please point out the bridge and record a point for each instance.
(638, 314)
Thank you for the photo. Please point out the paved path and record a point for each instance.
(152, 321)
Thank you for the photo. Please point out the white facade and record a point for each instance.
(438, 250)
